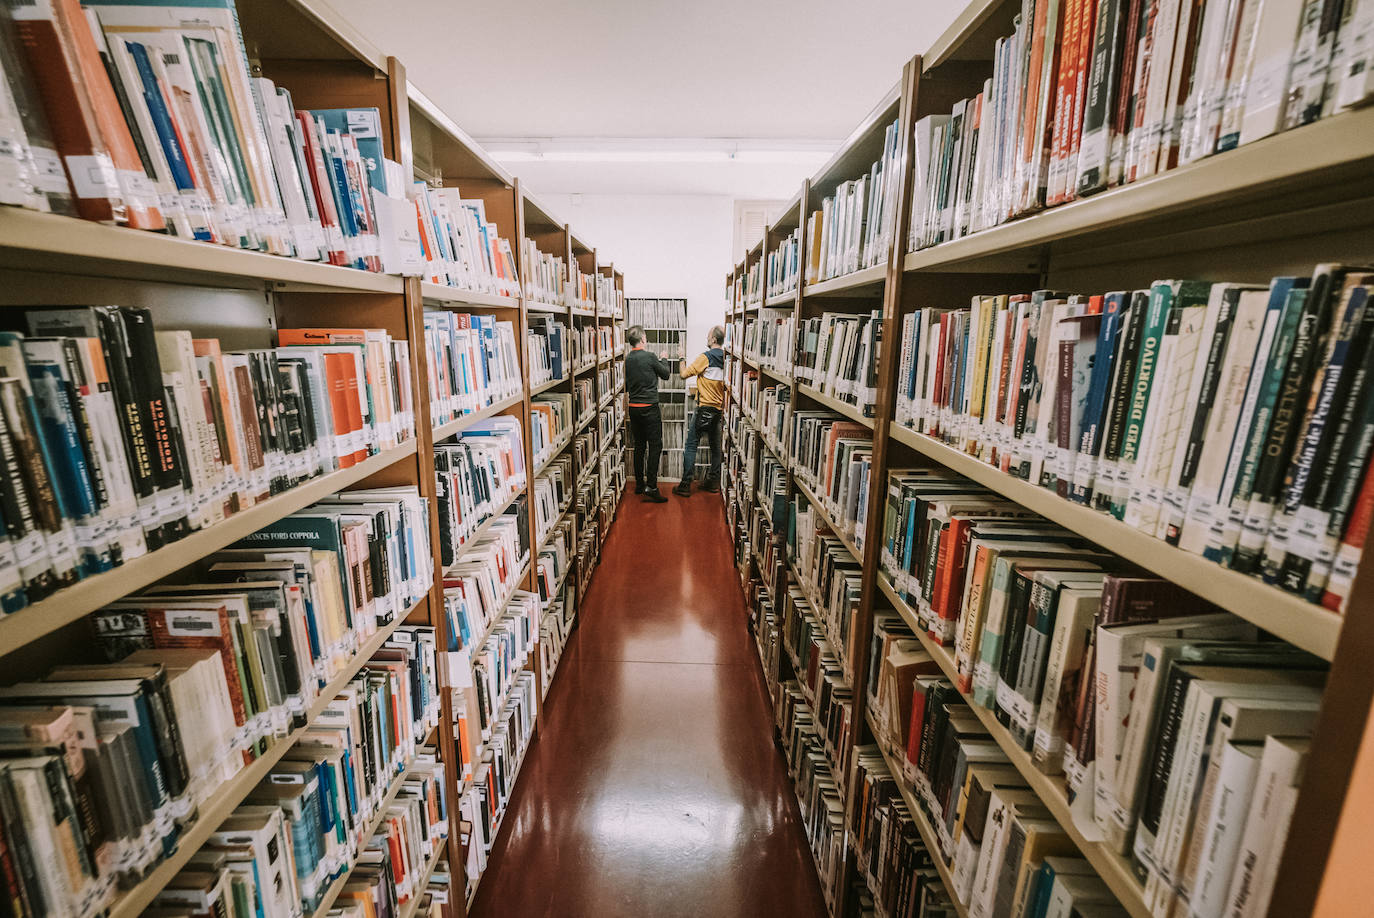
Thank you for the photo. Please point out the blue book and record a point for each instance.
(64, 448)
(364, 125)
(166, 130)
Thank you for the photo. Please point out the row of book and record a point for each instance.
(476, 475)
(459, 247)
(752, 289)
(771, 340)
(545, 277)
(1092, 669)
(583, 288)
(583, 343)
(244, 873)
(818, 667)
(108, 762)
(484, 803)
(162, 127)
(472, 361)
(784, 266)
(554, 630)
(833, 457)
(826, 572)
(477, 586)
(119, 438)
(1085, 96)
(484, 676)
(657, 314)
(1231, 420)
(819, 795)
(852, 229)
(555, 561)
(551, 423)
(584, 399)
(610, 300)
(551, 495)
(898, 867)
(837, 355)
(548, 349)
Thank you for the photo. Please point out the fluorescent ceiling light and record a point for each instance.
(657, 150)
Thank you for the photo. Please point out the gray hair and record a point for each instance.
(634, 334)
(715, 336)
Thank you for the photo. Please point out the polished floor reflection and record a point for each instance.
(654, 788)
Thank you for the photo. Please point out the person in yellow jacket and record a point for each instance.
(709, 371)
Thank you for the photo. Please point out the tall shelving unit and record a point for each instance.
(1276, 206)
(242, 297)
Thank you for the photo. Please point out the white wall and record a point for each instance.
(666, 245)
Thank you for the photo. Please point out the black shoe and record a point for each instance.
(684, 488)
(711, 486)
(654, 497)
(639, 488)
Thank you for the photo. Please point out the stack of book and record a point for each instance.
(820, 673)
(852, 230)
(119, 438)
(473, 362)
(550, 424)
(477, 584)
(128, 120)
(1084, 97)
(1232, 420)
(609, 300)
(551, 494)
(819, 793)
(584, 399)
(583, 347)
(826, 572)
(460, 247)
(770, 339)
(548, 349)
(898, 869)
(837, 355)
(545, 277)
(1135, 691)
(583, 288)
(832, 457)
(475, 477)
(784, 266)
(503, 752)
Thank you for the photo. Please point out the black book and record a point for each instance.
(1128, 359)
(1014, 634)
(145, 373)
(17, 839)
(1289, 409)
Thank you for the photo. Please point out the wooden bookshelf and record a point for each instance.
(241, 297)
(229, 795)
(1275, 206)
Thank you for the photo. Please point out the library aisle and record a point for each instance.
(655, 788)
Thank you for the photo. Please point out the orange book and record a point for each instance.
(106, 174)
(337, 370)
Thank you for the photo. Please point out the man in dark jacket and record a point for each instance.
(643, 370)
(709, 370)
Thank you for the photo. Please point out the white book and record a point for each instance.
(1205, 498)
(1271, 60)
(1236, 771)
(1266, 826)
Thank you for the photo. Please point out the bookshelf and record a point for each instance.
(1275, 206)
(242, 297)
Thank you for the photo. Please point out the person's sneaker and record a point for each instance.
(639, 488)
(711, 486)
(654, 497)
(683, 489)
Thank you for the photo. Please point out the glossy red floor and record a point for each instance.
(654, 788)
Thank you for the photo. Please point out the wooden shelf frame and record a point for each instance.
(306, 47)
(1228, 216)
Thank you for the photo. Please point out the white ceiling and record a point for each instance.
(776, 69)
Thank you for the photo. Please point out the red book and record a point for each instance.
(1352, 546)
(338, 368)
(87, 124)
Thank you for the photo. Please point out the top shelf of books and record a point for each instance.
(1227, 197)
(50, 242)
